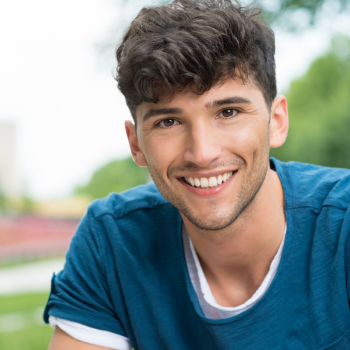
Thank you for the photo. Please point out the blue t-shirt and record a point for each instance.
(126, 273)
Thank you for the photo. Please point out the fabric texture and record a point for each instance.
(126, 273)
(205, 297)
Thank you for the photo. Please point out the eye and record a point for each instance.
(228, 113)
(167, 123)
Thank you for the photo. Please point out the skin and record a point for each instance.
(237, 228)
(63, 341)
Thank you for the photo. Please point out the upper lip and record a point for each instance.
(207, 175)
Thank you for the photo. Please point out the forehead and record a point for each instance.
(189, 102)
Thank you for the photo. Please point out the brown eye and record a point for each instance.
(228, 113)
(167, 123)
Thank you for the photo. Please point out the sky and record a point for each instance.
(60, 92)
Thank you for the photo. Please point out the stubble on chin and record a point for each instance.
(251, 181)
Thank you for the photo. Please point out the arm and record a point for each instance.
(62, 340)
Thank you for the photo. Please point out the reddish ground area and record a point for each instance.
(27, 237)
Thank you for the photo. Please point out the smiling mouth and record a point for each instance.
(207, 183)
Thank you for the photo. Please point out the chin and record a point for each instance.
(210, 222)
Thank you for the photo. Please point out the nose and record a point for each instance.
(203, 146)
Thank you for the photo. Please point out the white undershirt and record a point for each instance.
(205, 297)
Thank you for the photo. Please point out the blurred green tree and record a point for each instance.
(319, 110)
(116, 176)
(2, 202)
(296, 14)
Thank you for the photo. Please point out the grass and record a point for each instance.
(22, 302)
(21, 324)
(32, 338)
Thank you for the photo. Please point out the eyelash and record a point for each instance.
(177, 123)
(166, 127)
(229, 109)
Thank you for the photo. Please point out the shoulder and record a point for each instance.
(132, 224)
(130, 220)
(119, 205)
(314, 186)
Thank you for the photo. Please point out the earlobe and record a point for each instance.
(135, 149)
(279, 122)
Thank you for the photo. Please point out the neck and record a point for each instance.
(238, 257)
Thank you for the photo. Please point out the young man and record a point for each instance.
(228, 249)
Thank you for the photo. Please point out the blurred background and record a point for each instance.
(62, 141)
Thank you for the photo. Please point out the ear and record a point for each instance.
(136, 152)
(279, 122)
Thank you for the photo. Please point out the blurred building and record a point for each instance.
(9, 181)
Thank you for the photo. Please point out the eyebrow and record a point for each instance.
(217, 103)
(226, 101)
(161, 111)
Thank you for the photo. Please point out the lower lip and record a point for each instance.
(210, 191)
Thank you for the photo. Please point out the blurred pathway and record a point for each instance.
(31, 277)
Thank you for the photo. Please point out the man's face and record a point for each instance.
(207, 154)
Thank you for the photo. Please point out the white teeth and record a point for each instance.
(204, 182)
(220, 179)
(197, 182)
(212, 181)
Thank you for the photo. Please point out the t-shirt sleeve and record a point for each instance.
(80, 293)
(90, 335)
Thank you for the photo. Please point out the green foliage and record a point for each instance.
(319, 110)
(2, 202)
(291, 14)
(116, 176)
(27, 204)
(16, 205)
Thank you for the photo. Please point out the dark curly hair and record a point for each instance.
(194, 44)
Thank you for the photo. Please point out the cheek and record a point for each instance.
(162, 151)
(243, 139)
